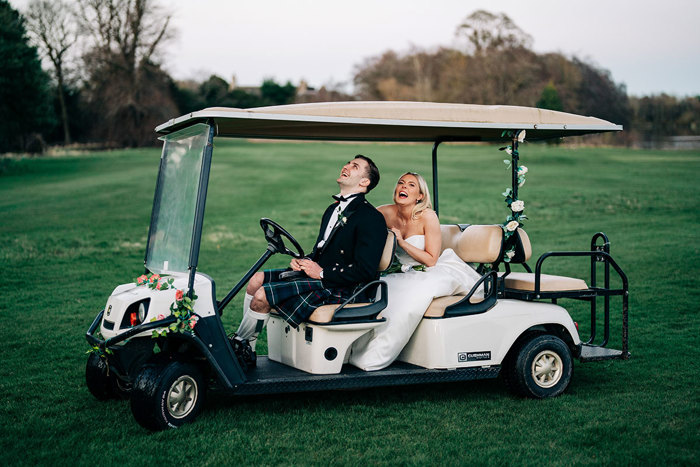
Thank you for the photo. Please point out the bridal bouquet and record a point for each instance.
(396, 266)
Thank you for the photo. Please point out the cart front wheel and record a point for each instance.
(167, 396)
(541, 367)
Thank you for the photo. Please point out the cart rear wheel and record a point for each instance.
(541, 367)
(167, 395)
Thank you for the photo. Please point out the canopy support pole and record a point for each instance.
(514, 165)
(435, 177)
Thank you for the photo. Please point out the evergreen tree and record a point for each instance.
(549, 98)
(25, 100)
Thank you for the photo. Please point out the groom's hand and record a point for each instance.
(311, 268)
(295, 264)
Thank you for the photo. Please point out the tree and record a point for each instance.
(276, 94)
(25, 101)
(486, 31)
(126, 88)
(54, 31)
(549, 98)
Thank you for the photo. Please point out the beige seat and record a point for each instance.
(324, 314)
(525, 281)
(548, 283)
(476, 244)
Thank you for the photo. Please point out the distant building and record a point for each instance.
(255, 90)
(306, 94)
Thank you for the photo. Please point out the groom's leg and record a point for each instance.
(255, 314)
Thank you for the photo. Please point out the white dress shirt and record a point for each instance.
(334, 218)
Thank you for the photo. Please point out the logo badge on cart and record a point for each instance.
(109, 310)
(473, 356)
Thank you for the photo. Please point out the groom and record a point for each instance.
(346, 255)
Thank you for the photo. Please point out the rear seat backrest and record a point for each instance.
(476, 244)
(523, 248)
(450, 236)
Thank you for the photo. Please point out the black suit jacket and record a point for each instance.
(352, 252)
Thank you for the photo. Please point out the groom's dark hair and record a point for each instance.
(372, 173)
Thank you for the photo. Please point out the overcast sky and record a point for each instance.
(650, 46)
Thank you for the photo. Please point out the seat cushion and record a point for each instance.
(437, 307)
(548, 283)
(325, 313)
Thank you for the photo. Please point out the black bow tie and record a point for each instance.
(340, 198)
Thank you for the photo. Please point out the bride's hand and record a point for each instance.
(397, 232)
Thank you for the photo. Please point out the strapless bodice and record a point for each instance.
(417, 241)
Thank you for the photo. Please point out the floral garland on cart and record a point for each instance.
(517, 206)
(181, 308)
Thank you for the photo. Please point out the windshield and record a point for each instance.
(174, 207)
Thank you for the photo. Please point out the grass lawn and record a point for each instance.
(74, 227)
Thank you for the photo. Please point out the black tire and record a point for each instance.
(167, 395)
(100, 382)
(540, 367)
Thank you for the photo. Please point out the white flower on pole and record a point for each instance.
(522, 170)
(512, 225)
(521, 136)
(517, 206)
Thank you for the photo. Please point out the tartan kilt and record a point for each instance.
(297, 299)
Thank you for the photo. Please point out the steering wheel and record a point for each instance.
(274, 233)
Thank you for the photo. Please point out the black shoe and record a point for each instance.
(244, 352)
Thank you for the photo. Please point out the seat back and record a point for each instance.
(474, 244)
(388, 253)
(523, 248)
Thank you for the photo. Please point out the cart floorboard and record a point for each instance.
(270, 377)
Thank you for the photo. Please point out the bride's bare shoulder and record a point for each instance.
(428, 216)
(387, 209)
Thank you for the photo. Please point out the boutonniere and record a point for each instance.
(342, 220)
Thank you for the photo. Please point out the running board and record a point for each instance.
(270, 377)
(590, 353)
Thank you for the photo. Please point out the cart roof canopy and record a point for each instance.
(390, 121)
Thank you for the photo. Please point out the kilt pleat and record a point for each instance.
(296, 300)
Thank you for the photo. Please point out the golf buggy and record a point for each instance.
(161, 342)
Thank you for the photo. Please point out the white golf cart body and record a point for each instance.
(463, 340)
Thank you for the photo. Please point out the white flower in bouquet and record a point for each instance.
(510, 254)
(405, 268)
(511, 226)
(517, 206)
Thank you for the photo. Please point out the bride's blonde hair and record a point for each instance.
(423, 203)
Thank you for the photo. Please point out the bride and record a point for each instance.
(417, 230)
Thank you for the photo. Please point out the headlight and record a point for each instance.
(142, 311)
(135, 314)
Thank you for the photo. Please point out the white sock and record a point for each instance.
(246, 302)
(251, 324)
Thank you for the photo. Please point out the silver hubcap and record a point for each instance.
(547, 369)
(182, 396)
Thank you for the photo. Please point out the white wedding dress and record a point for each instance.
(410, 294)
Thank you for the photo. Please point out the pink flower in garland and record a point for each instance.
(193, 321)
(179, 294)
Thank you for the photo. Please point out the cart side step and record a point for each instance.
(270, 377)
(590, 353)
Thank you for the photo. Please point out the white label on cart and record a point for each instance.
(473, 356)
